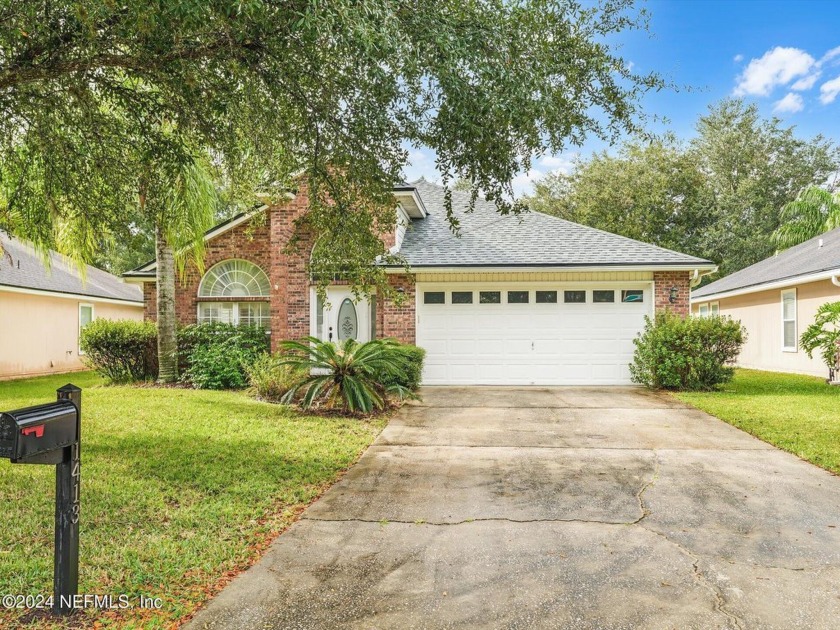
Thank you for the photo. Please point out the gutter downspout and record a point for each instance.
(695, 279)
(835, 280)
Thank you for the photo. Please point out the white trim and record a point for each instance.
(236, 223)
(416, 200)
(767, 286)
(795, 346)
(79, 327)
(401, 223)
(69, 296)
(547, 268)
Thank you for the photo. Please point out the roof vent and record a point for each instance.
(820, 245)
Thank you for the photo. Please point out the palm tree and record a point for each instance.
(814, 211)
(181, 201)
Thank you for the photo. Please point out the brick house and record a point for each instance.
(510, 300)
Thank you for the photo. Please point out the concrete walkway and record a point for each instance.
(555, 508)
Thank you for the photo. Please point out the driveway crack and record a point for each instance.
(640, 495)
(700, 578)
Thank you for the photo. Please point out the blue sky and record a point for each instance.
(782, 55)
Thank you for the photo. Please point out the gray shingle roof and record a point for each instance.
(488, 239)
(22, 267)
(803, 259)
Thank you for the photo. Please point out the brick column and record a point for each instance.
(394, 321)
(289, 272)
(663, 281)
(150, 301)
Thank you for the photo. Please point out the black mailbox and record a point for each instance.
(50, 434)
(34, 433)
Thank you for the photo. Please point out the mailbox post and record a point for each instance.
(67, 489)
(50, 434)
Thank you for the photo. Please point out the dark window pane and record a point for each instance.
(490, 297)
(632, 295)
(462, 297)
(434, 297)
(574, 297)
(546, 297)
(517, 297)
(603, 296)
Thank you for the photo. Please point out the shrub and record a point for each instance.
(120, 350)
(215, 356)
(694, 353)
(344, 376)
(270, 378)
(823, 334)
(409, 370)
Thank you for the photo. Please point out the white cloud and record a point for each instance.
(829, 91)
(738, 58)
(806, 83)
(563, 163)
(776, 67)
(558, 163)
(831, 54)
(791, 103)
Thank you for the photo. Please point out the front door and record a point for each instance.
(343, 317)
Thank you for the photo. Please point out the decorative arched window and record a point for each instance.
(234, 292)
(234, 278)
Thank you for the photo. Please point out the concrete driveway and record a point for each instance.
(555, 508)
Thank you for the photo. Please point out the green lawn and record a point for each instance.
(180, 489)
(800, 414)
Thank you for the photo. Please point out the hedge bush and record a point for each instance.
(270, 379)
(694, 353)
(216, 356)
(409, 372)
(120, 350)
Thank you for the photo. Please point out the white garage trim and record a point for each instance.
(529, 343)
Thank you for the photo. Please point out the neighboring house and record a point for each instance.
(528, 299)
(43, 308)
(776, 299)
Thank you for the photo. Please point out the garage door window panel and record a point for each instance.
(462, 297)
(546, 297)
(574, 297)
(434, 297)
(603, 297)
(490, 297)
(632, 295)
(517, 297)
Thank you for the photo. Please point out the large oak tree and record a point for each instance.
(720, 196)
(336, 90)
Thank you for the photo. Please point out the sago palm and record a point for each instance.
(814, 211)
(344, 375)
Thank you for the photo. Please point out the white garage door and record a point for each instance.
(514, 334)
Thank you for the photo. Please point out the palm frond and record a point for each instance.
(812, 213)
